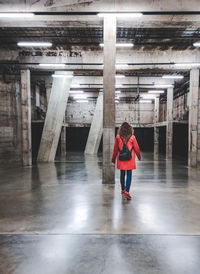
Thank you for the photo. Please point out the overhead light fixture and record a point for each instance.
(163, 86)
(52, 65)
(62, 75)
(187, 64)
(75, 86)
(117, 91)
(20, 15)
(122, 15)
(172, 76)
(81, 96)
(116, 97)
(120, 45)
(82, 101)
(148, 96)
(76, 91)
(34, 44)
(119, 86)
(156, 91)
(145, 101)
(196, 44)
(120, 76)
(121, 66)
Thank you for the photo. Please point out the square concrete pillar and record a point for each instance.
(26, 117)
(156, 129)
(109, 97)
(169, 129)
(194, 94)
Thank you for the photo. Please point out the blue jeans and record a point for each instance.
(128, 179)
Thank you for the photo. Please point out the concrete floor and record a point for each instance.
(59, 218)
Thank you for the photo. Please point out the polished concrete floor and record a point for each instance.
(59, 218)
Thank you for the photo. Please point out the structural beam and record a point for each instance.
(26, 117)
(109, 98)
(96, 129)
(193, 118)
(54, 117)
(169, 128)
(156, 129)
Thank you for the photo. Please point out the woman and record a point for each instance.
(124, 149)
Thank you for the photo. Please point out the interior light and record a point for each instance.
(34, 44)
(75, 86)
(156, 91)
(123, 15)
(196, 44)
(187, 64)
(82, 101)
(81, 96)
(121, 45)
(163, 86)
(145, 101)
(62, 75)
(172, 76)
(119, 76)
(117, 91)
(52, 65)
(76, 91)
(20, 15)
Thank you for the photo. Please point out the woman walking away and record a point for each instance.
(124, 149)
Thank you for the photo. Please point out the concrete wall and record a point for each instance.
(10, 122)
(82, 113)
(180, 108)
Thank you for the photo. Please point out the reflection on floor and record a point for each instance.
(59, 218)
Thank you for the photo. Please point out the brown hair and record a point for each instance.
(125, 130)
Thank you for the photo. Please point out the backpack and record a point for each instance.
(125, 154)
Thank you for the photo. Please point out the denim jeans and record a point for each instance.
(128, 179)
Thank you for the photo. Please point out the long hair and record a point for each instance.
(125, 130)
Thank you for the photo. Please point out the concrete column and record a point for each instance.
(54, 117)
(156, 129)
(109, 98)
(48, 92)
(193, 118)
(63, 141)
(26, 117)
(96, 129)
(169, 129)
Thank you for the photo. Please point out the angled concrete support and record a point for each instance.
(169, 129)
(26, 117)
(54, 117)
(194, 95)
(109, 98)
(156, 129)
(96, 129)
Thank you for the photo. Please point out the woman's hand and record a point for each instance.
(113, 164)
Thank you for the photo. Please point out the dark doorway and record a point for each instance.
(180, 140)
(76, 138)
(162, 140)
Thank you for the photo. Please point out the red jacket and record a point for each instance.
(132, 143)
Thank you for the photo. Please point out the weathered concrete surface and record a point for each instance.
(122, 56)
(109, 98)
(96, 129)
(26, 117)
(63, 141)
(99, 6)
(156, 129)
(54, 118)
(193, 118)
(10, 123)
(169, 129)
